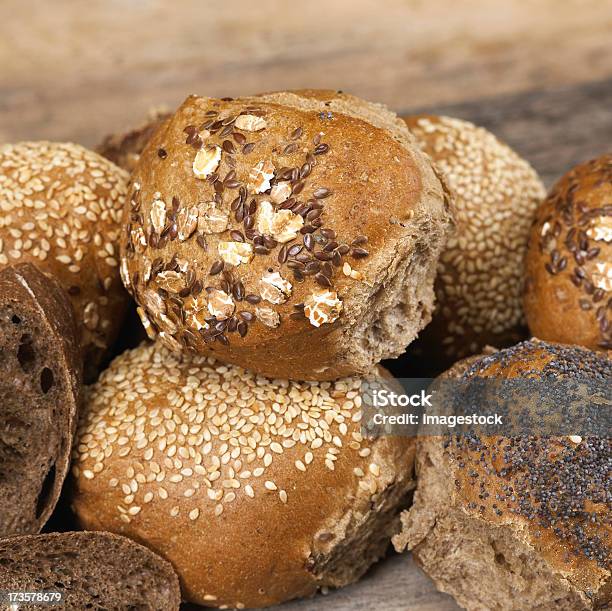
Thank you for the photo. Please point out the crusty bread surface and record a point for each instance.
(514, 523)
(257, 490)
(296, 234)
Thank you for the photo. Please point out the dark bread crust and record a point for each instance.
(569, 261)
(124, 149)
(92, 570)
(378, 185)
(40, 389)
(257, 491)
(511, 523)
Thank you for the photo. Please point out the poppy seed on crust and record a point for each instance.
(519, 521)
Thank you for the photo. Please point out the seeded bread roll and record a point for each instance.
(568, 288)
(480, 272)
(40, 385)
(91, 570)
(514, 523)
(293, 233)
(124, 149)
(257, 491)
(61, 209)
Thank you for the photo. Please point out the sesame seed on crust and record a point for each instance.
(61, 208)
(204, 460)
(220, 431)
(480, 272)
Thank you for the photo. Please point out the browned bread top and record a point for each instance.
(60, 208)
(569, 261)
(278, 231)
(480, 273)
(555, 490)
(40, 388)
(91, 570)
(256, 490)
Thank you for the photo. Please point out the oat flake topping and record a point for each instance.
(322, 307)
(249, 207)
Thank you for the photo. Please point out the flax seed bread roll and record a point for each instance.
(40, 389)
(293, 233)
(523, 522)
(568, 287)
(480, 277)
(124, 149)
(61, 209)
(257, 491)
(91, 570)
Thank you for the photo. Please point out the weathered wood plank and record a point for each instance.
(75, 70)
(554, 129)
(395, 584)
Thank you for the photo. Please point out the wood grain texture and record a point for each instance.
(75, 69)
(396, 584)
(554, 129)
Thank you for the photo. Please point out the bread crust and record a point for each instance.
(262, 496)
(463, 497)
(91, 570)
(569, 262)
(124, 148)
(61, 210)
(36, 447)
(354, 161)
(479, 285)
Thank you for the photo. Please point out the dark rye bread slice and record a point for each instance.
(40, 386)
(92, 570)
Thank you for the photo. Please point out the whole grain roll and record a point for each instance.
(522, 522)
(40, 391)
(293, 233)
(90, 570)
(568, 287)
(480, 278)
(124, 148)
(256, 490)
(61, 208)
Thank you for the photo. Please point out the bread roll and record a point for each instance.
(257, 491)
(40, 388)
(568, 289)
(293, 233)
(61, 209)
(91, 570)
(124, 149)
(514, 523)
(480, 278)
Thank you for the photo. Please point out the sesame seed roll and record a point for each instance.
(256, 490)
(296, 234)
(568, 288)
(480, 277)
(61, 210)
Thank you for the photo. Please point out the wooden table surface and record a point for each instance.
(538, 74)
